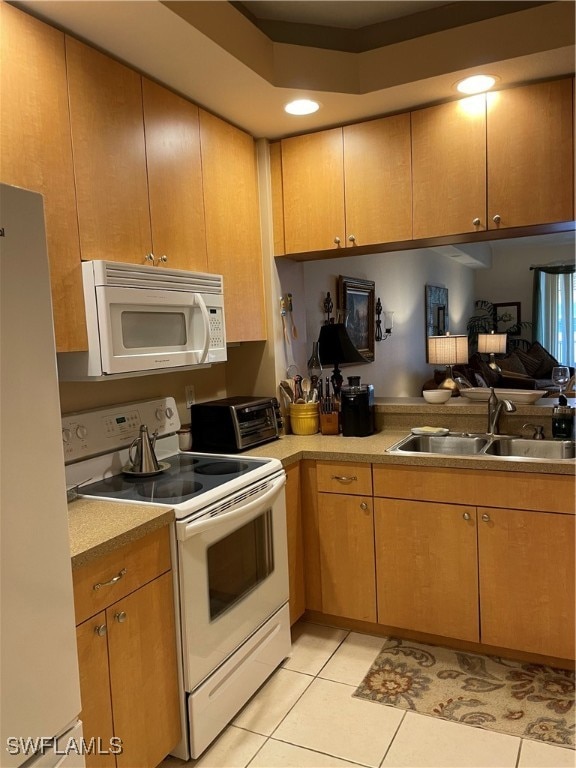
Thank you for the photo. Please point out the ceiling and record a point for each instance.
(244, 61)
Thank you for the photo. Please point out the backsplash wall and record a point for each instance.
(400, 366)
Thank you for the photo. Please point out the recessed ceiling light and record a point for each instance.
(476, 84)
(302, 107)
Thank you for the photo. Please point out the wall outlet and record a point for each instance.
(190, 395)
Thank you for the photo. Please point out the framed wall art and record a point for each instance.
(508, 318)
(356, 299)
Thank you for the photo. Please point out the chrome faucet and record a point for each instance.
(495, 407)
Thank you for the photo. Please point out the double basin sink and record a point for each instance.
(504, 446)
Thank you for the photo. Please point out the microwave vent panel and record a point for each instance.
(118, 274)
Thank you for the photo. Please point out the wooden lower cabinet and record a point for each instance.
(128, 674)
(346, 534)
(527, 580)
(95, 688)
(295, 543)
(427, 567)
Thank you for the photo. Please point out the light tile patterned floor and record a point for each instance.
(305, 717)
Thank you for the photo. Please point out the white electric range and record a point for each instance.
(229, 551)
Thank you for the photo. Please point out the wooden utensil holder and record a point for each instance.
(329, 423)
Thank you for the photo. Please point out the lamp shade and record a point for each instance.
(492, 343)
(447, 350)
(335, 346)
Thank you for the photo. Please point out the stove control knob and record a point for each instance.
(81, 431)
(169, 413)
(66, 435)
(159, 414)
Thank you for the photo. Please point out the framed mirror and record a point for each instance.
(436, 298)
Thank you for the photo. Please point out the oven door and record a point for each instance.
(145, 329)
(233, 573)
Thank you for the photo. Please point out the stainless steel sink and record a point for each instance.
(496, 446)
(534, 449)
(445, 445)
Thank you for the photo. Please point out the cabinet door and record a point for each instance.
(527, 581)
(109, 156)
(174, 178)
(233, 237)
(346, 534)
(37, 154)
(449, 168)
(378, 181)
(313, 183)
(295, 543)
(96, 715)
(530, 155)
(427, 567)
(143, 674)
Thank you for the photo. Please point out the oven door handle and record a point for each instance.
(199, 526)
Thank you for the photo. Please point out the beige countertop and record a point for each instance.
(100, 526)
(97, 527)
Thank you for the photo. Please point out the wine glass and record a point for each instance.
(561, 376)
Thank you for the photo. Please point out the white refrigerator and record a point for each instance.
(39, 684)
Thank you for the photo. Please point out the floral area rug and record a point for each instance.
(527, 700)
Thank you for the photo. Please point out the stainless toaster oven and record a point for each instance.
(234, 424)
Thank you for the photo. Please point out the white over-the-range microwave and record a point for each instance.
(145, 319)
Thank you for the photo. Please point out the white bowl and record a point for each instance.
(436, 395)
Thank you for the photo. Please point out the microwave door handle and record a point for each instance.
(196, 527)
(202, 304)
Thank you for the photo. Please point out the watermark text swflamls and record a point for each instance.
(32, 745)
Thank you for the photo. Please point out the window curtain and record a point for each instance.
(554, 321)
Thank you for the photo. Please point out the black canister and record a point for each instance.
(357, 408)
(563, 422)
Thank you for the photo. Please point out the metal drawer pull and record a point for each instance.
(120, 617)
(344, 478)
(100, 630)
(486, 518)
(466, 515)
(113, 580)
(363, 506)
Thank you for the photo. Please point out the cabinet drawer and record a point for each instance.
(119, 573)
(344, 477)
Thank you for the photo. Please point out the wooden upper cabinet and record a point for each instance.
(313, 186)
(233, 237)
(37, 154)
(174, 178)
(109, 156)
(449, 168)
(378, 181)
(530, 155)
(348, 186)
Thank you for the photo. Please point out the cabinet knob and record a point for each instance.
(337, 241)
(363, 505)
(149, 257)
(496, 219)
(163, 259)
(120, 617)
(352, 238)
(100, 630)
(476, 221)
(486, 518)
(466, 515)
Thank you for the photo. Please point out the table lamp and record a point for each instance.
(336, 347)
(492, 344)
(448, 350)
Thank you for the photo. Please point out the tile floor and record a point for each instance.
(305, 717)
